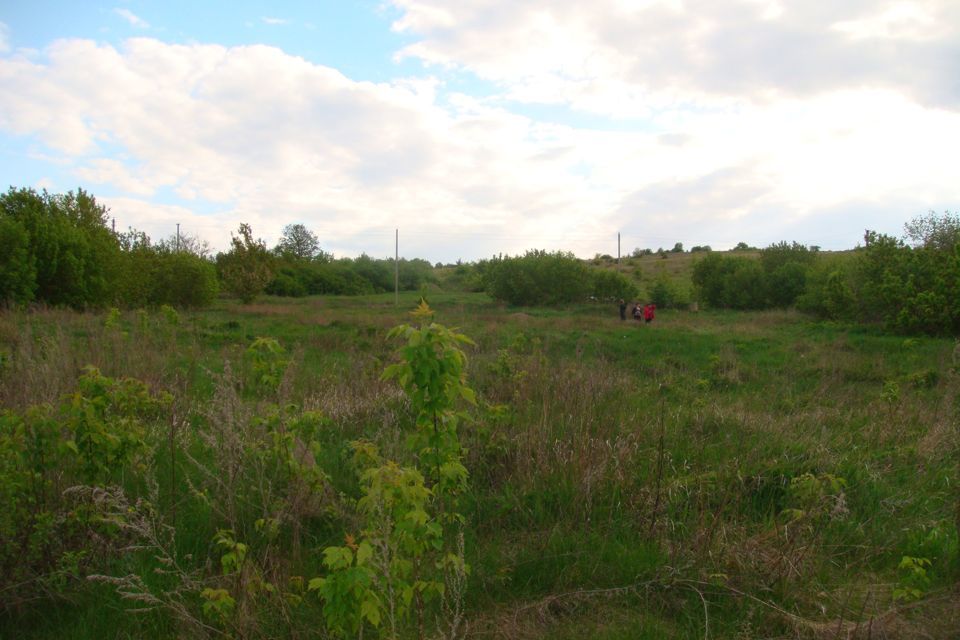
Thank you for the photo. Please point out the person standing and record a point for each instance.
(648, 312)
(623, 309)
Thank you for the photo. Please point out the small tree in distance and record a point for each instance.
(298, 243)
(247, 267)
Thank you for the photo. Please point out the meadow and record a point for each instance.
(714, 474)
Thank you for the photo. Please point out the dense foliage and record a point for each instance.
(737, 282)
(910, 285)
(247, 268)
(156, 275)
(345, 276)
(549, 278)
(58, 250)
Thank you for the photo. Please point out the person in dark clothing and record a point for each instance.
(623, 309)
(636, 312)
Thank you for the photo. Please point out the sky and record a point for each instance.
(471, 128)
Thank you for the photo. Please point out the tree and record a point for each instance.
(18, 273)
(182, 279)
(72, 251)
(933, 230)
(612, 284)
(538, 278)
(298, 243)
(187, 243)
(665, 292)
(781, 253)
(677, 248)
(786, 266)
(729, 281)
(247, 267)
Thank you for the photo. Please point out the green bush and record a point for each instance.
(910, 289)
(18, 272)
(731, 282)
(69, 253)
(152, 276)
(248, 267)
(52, 533)
(538, 278)
(829, 292)
(777, 279)
(666, 293)
(184, 280)
(286, 282)
(612, 284)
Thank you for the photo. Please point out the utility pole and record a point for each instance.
(113, 225)
(396, 270)
(178, 236)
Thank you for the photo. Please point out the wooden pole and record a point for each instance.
(396, 271)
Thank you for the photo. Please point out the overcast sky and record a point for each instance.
(486, 126)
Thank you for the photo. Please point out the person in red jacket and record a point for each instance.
(648, 312)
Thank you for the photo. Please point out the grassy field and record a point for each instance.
(711, 475)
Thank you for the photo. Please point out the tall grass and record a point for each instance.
(723, 475)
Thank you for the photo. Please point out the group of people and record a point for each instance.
(645, 312)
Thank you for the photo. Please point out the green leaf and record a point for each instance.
(370, 610)
(337, 557)
(468, 394)
(364, 553)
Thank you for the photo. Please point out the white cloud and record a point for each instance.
(255, 135)
(132, 18)
(896, 21)
(271, 137)
(613, 56)
(274, 21)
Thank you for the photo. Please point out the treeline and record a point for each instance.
(908, 285)
(59, 249)
(548, 278)
(302, 268)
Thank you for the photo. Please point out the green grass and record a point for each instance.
(635, 474)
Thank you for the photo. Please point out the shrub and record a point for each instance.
(910, 289)
(51, 534)
(828, 291)
(248, 267)
(68, 250)
(612, 284)
(18, 272)
(734, 282)
(184, 280)
(665, 292)
(538, 278)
